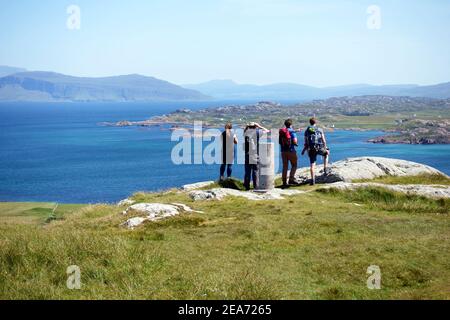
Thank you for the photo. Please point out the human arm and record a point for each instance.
(305, 146)
(294, 138)
(261, 127)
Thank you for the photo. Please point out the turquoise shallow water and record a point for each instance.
(58, 152)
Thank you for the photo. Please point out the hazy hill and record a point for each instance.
(6, 71)
(50, 86)
(18, 85)
(441, 90)
(227, 89)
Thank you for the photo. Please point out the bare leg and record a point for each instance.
(311, 169)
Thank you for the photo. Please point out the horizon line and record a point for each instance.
(224, 79)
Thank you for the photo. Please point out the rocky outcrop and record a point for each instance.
(430, 191)
(220, 193)
(197, 185)
(125, 202)
(412, 138)
(418, 131)
(365, 168)
(154, 212)
(340, 176)
(134, 222)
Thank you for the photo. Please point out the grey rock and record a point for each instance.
(134, 222)
(219, 194)
(125, 202)
(197, 185)
(351, 169)
(185, 207)
(154, 212)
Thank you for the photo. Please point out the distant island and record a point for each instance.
(50, 86)
(405, 119)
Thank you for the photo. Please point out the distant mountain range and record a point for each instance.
(228, 89)
(50, 86)
(17, 84)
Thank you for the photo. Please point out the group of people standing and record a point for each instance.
(315, 144)
(252, 133)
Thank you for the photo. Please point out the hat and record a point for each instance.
(251, 124)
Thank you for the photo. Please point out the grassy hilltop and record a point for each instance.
(316, 245)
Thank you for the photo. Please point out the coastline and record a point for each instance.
(403, 119)
(392, 136)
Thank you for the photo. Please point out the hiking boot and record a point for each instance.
(294, 182)
(284, 186)
(312, 182)
(326, 172)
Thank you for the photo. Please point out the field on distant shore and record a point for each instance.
(413, 120)
(316, 245)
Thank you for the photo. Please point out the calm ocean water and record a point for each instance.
(58, 152)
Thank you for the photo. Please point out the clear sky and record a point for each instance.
(313, 42)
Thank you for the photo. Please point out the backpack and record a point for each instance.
(314, 137)
(284, 138)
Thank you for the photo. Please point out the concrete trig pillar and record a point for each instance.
(266, 167)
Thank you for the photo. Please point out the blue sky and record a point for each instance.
(315, 42)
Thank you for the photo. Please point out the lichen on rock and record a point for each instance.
(154, 212)
(219, 194)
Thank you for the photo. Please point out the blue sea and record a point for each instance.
(59, 152)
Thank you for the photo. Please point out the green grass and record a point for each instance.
(232, 183)
(419, 179)
(316, 245)
(34, 212)
(392, 201)
(373, 122)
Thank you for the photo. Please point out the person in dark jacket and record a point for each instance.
(229, 140)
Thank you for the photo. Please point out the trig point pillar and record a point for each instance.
(266, 167)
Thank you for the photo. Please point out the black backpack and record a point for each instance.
(314, 137)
